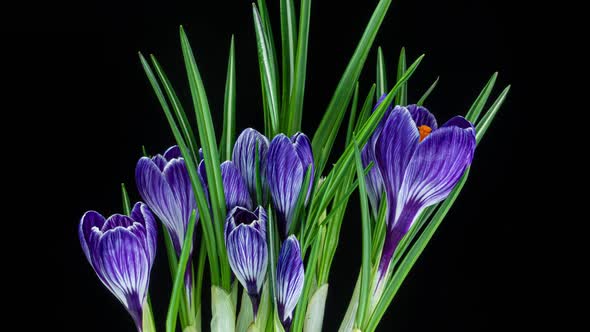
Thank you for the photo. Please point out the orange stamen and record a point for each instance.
(424, 131)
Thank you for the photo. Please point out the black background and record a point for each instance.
(102, 110)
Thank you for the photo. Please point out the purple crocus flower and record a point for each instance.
(234, 186)
(164, 184)
(244, 157)
(121, 250)
(420, 164)
(245, 240)
(290, 278)
(286, 166)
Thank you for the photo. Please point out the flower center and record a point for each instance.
(424, 131)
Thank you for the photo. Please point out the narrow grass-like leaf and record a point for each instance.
(298, 91)
(366, 108)
(379, 231)
(270, 45)
(316, 222)
(144, 151)
(179, 278)
(202, 204)
(366, 239)
(210, 154)
(485, 122)
(300, 203)
(185, 126)
(402, 96)
(353, 111)
(229, 106)
(323, 139)
(199, 279)
(266, 74)
(427, 93)
(126, 202)
(288, 42)
(272, 255)
(482, 98)
(381, 74)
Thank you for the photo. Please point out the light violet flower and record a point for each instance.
(121, 250)
(244, 157)
(287, 162)
(245, 241)
(165, 186)
(290, 278)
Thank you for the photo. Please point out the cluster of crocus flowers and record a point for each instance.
(283, 164)
(121, 249)
(418, 164)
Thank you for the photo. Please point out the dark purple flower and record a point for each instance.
(121, 250)
(287, 162)
(164, 184)
(244, 157)
(245, 240)
(420, 164)
(290, 278)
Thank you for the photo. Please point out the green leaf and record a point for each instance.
(187, 131)
(402, 96)
(288, 42)
(485, 122)
(379, 231)
(323, 139)
(202, 203)
(199, 280)
(480, 101)
(272, 253)
(381, 74)
(315, 222)
(298, 91)
(229, 106)
(300, 203)
(365, 109)
(427, 93)
(265, 19)
(366, 239)
(210, 154)
(353, 111)
(178, 287)
(126, 202)
(266, 74)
